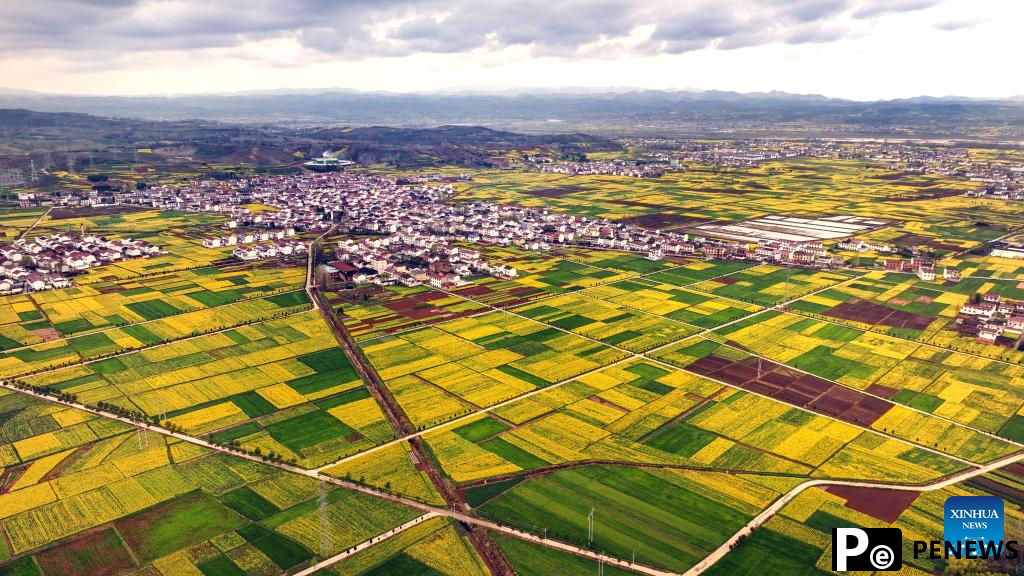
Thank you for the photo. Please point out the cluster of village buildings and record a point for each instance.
(410, 259)
(611, 167)
(923, 268)
(363, 204)
(259, 244)
(992, 319)
(46, 262)
(424, 178)
(731, 153)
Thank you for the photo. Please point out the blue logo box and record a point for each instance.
(977, 518)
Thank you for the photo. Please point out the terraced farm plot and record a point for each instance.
(281, 386)
(872, 409)
(905, 310)
(607, 322)
(901, 305)
(668, 519)
(981, 393)
(640, 412)
(131, 220)
(800, 186)
(437, 547)
(987, 266)
(556, 277)
(691, 307)
(116, 500)
(113, 303)
(804, 526)
(64, 351)
(393, 469)
(447, 370)
(13, 222)
(529, 559)
(697, 271)
(502, 293)
(398, 308)
(768, 285)
(614, 260)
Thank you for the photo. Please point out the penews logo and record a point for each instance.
(867, 549)
(974, 524)
(973, 527)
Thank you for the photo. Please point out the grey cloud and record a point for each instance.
(953, 25)
(548, 27)
(872, 8)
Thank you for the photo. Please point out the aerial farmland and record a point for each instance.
(679, 369)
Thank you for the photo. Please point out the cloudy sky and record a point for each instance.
(862, 49)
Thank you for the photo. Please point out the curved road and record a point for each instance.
(770, 511)
(702, 566)
(425, 508)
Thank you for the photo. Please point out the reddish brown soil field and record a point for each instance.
(662, 220)
(725, 191)
(885, 505)
(883, 391)
(476, 291)
(997, 489)
(9, 477)
(97, 553)
(635, 203)
(556, 192)
(1017, 469)
(925, 193)
(877, 314)
(919, 240)
(87, 211)
(794, 388)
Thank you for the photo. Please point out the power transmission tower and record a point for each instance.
(590, 528)
(326, 545)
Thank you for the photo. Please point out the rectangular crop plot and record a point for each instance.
(186, 520)
(398, 308)
(439, 372)
(607, 322)
(696, 308)
(768, 285)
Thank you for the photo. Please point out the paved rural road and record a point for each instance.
(765, 515)
(366, 544)
(431, 511)
(427, 509)
(36, 223)
(702, 566)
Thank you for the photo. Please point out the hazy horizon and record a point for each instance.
(510, 91)
(851, 49)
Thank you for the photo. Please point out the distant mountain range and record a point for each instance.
(638, 111)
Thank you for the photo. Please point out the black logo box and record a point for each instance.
(869, 559)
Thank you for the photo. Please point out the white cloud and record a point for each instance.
(855, 48)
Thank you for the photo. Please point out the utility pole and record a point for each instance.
(590, 528)
(326, 541)
(785, 295)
